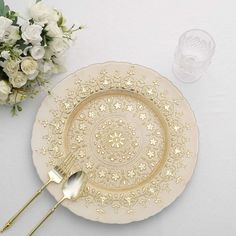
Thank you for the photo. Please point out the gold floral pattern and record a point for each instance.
(110, 139)
(127, 135)
(113, 140)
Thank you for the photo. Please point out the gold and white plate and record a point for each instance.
(132, 132)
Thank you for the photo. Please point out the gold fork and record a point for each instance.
(56, 175)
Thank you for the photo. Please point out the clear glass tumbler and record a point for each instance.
(193, 55)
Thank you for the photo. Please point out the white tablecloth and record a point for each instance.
(146, 33)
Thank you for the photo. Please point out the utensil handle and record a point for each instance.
(13, 219)
(51, 211)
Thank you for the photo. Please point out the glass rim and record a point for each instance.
(211, 52)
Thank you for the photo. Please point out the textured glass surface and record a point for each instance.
(193, 55)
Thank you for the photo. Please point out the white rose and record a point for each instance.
(10, 67)
(60, 60)
(46, 66)
(4, 24)
(55, 16)
(29, 66)
(59, 46)
(5, 54)
(58, 69)
(37, 52)
(42, 14)
(5, 90)
(12, 35)
(53, 30)
(48, 53)
(18, 80)
(33, 76)
(18, 51)
(32, 33)
(16, 97)
(26, 50)
(62, 19)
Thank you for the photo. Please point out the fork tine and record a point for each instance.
(66, 165)
(63, 162)
(58, 170)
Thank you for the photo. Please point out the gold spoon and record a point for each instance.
(72, 190)
(56, 175)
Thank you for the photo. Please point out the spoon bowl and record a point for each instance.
(72, 190)
(74, 186)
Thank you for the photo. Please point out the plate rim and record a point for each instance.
(181, 189)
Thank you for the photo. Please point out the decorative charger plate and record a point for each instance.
(131, 131)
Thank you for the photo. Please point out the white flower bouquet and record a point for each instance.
(30, 52)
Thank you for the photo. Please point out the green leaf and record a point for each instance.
(38, 1)
(13, 110)
(2, 6)
(21, 44)
(3, 76)
(4, 9)
(60, 22)
(19, 108)
(16, 108)
(12, 16)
